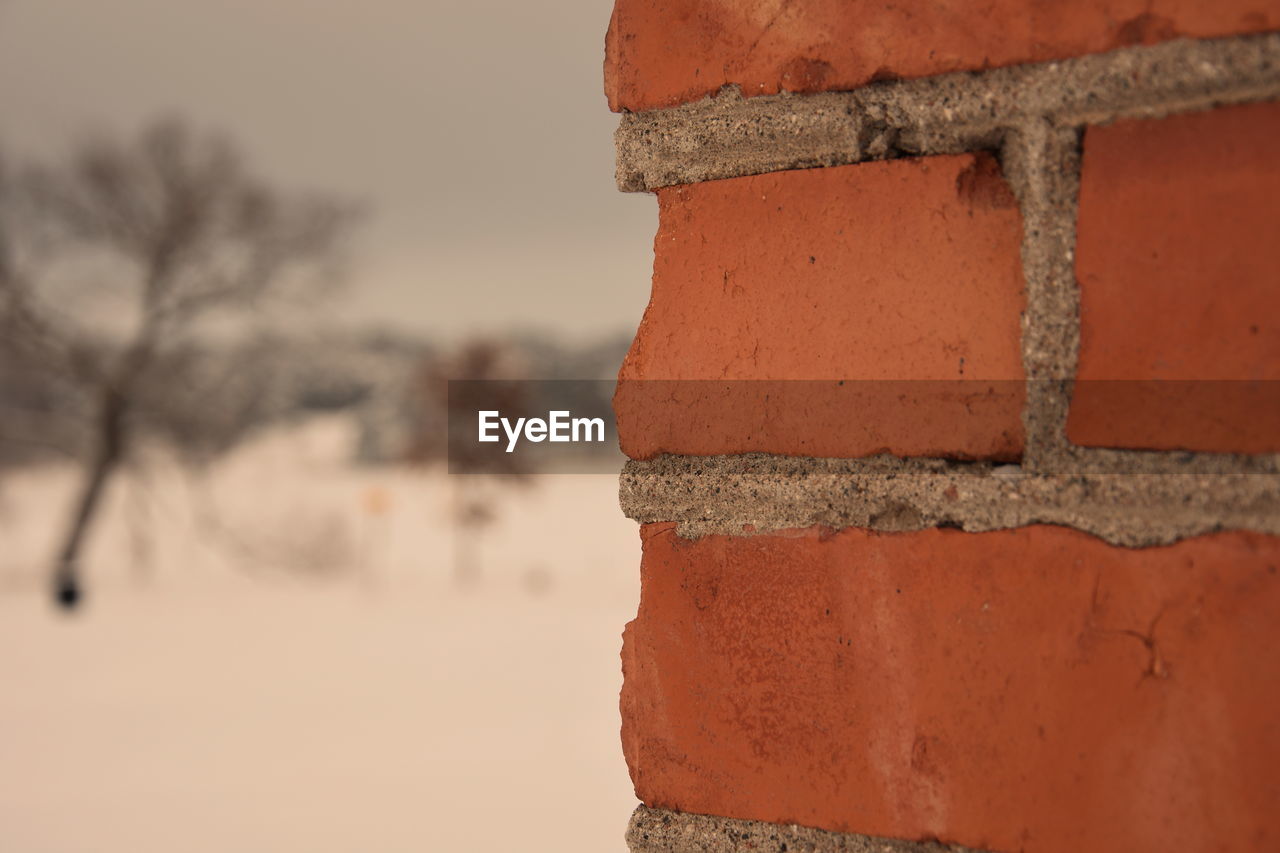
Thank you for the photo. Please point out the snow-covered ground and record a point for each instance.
(276, 657)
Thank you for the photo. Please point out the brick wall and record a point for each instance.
(954, 424)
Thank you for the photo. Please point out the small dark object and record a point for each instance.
(67, 593)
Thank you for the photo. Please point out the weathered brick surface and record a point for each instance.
(664, 52)
(1032, 689)
(902, 279)
(1178, 260)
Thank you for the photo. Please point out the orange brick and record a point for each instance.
(1177, 259)
(664, 52)
(1032, 689)
(833, 312)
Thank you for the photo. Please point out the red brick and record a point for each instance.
(1178, 253)
(1032, 689)
(901, 279)
(665, 52)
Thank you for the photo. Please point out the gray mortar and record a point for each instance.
(1041, 162)
(729, 136)
(664, 831)
(758, 493)
(1033, 116)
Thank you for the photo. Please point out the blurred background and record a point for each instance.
(243, 244)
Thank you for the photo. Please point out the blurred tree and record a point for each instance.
(114, 261)
(454, 389)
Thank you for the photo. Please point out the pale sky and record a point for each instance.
(477, 132)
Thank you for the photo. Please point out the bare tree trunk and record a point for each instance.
(467, 517)
(67, 585)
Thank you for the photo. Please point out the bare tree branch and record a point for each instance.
(174, 220)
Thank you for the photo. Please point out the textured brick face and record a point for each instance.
(1030, 690)
(664, 52)
(1178, 260)
(902, 279)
